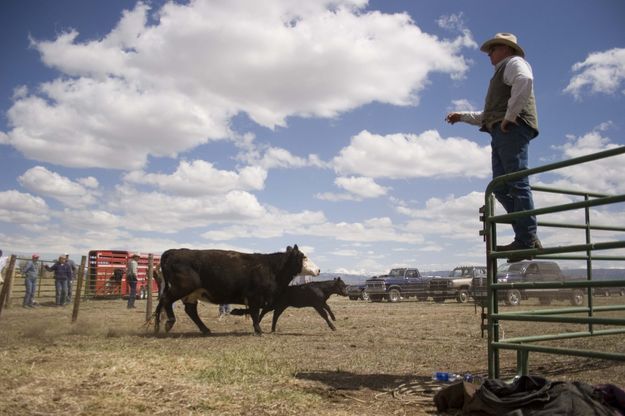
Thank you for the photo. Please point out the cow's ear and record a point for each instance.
(295, 247)
(288, 249)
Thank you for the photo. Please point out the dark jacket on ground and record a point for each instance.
(526, 396)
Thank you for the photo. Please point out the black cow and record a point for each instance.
(313, 294)
(221, 276)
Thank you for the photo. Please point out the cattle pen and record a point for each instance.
(592, 236)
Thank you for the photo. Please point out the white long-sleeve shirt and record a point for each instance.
(518, 75)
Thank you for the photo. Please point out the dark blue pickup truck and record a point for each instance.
(397, 284)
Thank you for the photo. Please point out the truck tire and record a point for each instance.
(577, 298)
(463, 296)
(364, 295)
(513, 297)
(394, 295)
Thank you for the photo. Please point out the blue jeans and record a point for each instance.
(132, 294)
(31, 287)
(61, 291)
(510, 154)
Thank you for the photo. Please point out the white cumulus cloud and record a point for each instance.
(412, 156)
(21, 208)
(73, 194)
(199, 177)
(601, 72)
(164, 81)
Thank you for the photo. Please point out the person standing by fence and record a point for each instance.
(71, 279)
(131, 280)
(62, 273)
(31, 273)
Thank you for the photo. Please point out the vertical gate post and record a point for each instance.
(79, 284)
(5, 294)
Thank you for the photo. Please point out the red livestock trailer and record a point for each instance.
(106, 273)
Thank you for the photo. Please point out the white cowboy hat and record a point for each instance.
(507, 39)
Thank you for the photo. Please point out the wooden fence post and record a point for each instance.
(81, 277)
(5, 294)
(148, 306)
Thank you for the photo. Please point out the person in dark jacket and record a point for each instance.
(62, 274)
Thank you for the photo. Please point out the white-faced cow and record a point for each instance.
(221, 276)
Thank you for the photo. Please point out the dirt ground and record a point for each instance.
(379, 361)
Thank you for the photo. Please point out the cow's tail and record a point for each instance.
(164, 265)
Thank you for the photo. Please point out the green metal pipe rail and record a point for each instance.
(586, 315)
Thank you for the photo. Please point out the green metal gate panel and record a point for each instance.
(578, 250)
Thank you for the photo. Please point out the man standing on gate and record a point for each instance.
(131, 280)
(510, 117)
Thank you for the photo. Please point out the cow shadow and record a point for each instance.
(195, 334)
(343, 380)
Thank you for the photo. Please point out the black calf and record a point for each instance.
(313, 294)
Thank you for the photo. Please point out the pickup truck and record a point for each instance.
(455, 286)
(358, 291)
(530, 271)
(397, 284)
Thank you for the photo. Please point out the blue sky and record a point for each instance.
(255, 125)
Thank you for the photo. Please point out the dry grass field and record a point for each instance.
(378, 362)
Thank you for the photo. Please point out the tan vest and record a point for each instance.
(497, 103)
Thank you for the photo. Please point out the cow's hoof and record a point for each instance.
(206, 332)
(169, 325)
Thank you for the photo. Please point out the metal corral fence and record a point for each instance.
(94, 279)
(583, 250)
(44, 294)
